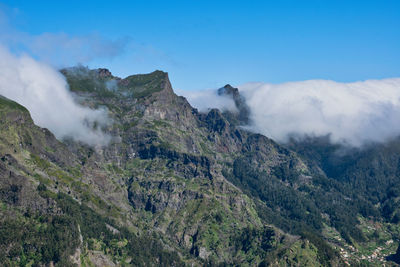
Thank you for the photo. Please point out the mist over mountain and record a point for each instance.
(183, 186)
(44, 91)
(353, 114)
(104, 162)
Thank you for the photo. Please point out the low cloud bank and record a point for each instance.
(207, 99)
(351, 113)
(44, 92)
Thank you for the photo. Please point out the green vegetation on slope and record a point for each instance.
(102, 83)
(7, 105)
(33, 238)
(162, 193)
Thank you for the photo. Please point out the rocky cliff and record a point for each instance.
(173, 186)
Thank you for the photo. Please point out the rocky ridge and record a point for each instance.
(192, 188)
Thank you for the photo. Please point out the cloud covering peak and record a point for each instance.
(44, 92)
(353, 113)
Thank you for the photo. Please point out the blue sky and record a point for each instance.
(206, 44)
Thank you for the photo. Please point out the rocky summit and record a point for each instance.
(177, 187)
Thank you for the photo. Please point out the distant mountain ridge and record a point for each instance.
(179, 187)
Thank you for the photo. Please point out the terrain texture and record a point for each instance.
(177, 187)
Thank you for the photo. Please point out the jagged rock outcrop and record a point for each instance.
(170, 175)
(243, 115)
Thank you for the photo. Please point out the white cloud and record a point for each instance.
(206, 99)
(62, 49)
(44, 92)
(58, 49)
(355, 113)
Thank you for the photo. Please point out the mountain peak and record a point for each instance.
(240, 102)
(228, 90)
(104, 73)
(146, 84)
(101, 82)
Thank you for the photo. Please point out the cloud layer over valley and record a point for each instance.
(353, 113)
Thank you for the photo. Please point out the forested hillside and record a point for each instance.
(178, 187)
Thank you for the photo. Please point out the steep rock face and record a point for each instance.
(243, 115)
(17, 191)
(173, 159)
(168, 172)
(49, 193)
(216, 122)
(19, 132)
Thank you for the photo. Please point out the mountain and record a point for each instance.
(177, 187)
